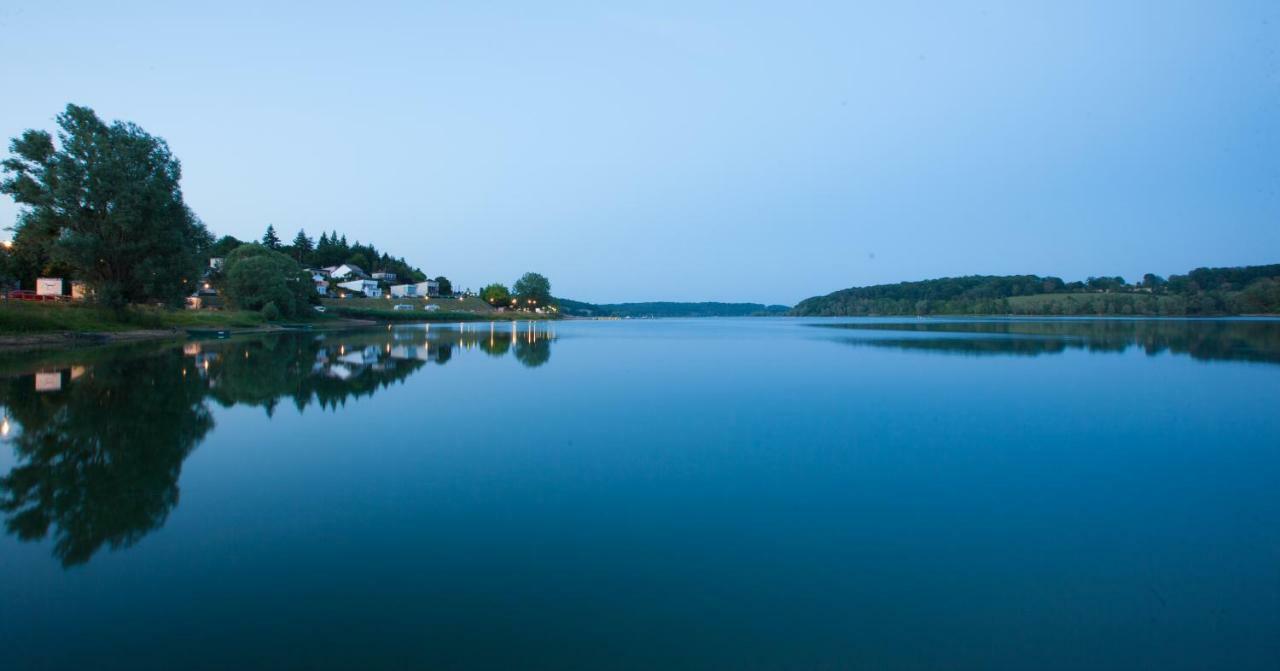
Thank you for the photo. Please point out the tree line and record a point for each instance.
(1200, 292)
(531, 292)
(331, 249)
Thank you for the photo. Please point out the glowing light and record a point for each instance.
(4, 426)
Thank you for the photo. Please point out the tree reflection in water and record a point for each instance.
(100, 436)
(98, 459)
(1207, 340)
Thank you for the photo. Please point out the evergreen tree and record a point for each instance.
(302, 247)
(269, 239)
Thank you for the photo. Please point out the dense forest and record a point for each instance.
(667, 309)
(1203, 291)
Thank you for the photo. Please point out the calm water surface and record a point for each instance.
(705, 494)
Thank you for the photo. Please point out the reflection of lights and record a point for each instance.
(4, 426)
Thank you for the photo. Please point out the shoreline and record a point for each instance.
(11, 342)
(16, 342)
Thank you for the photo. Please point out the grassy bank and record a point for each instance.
(449, 310)
(21, 317)
(419, 315)
(468, 304)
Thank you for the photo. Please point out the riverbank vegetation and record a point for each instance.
(462, 308)
(22, 317)
(1201, 292)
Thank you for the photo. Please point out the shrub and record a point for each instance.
(257, 276)
(270, 312)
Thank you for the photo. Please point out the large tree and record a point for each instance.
(496, 294)
(533, 290)
(103, 204)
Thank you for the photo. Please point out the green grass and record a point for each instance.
(420, 315)
(468, 304)
(470, 308)
(21, 317)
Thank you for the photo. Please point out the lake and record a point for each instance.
(666, 494)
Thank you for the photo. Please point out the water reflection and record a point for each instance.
(98, 456)
(1207, 340)
(99, 436)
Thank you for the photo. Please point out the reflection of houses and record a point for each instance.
(49, 381)
(348, 363)
(360, 357)
(52, 380)
(418, 352)
(418, 289)
(367, 287)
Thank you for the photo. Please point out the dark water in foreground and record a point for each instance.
(716, 494)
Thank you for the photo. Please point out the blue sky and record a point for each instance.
(697, 151)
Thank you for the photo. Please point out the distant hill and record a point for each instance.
(1204, 291)
(668, 309)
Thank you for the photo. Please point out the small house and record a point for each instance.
(367, 287)
(383, 276)
(416, 290)
(346, 271)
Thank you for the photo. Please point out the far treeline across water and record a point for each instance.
(1201, 292)
(656, 309)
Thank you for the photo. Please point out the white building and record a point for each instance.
(346, 270)
(367, 287)
(417, 290)
(384, 276)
